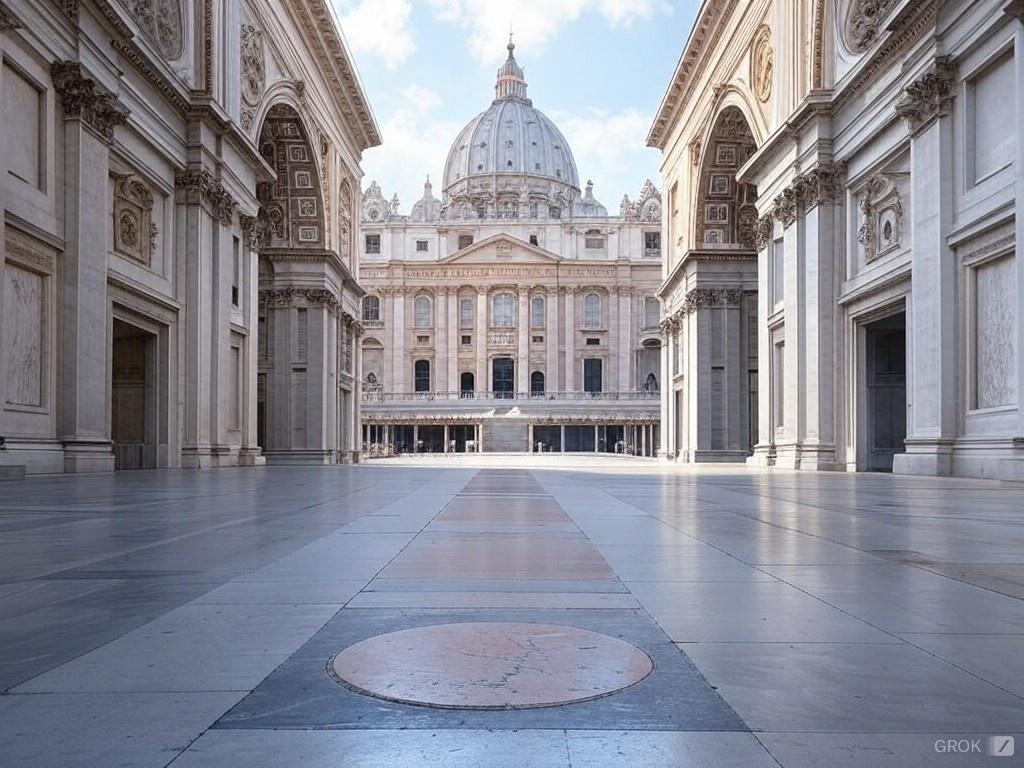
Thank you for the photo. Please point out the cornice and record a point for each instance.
(317, 22)
(707, 29)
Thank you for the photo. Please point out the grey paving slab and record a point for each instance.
(748, 612)
(331, 592)
(667, 749)
(886, 750)
(141, 730)
(579, 600)
(996, 658)
(854, 688)
(193, 648)
(377, 749)
(300, 694)
(384, 584)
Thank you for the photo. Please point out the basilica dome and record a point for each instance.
(511, 138)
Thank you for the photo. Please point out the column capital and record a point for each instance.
(928, 98)
(198, 185)
(83, 99)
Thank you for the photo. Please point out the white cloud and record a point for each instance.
(536, 23)
(610, 149)
(379, 28)
(416, 142)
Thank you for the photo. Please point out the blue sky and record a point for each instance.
(598, 68)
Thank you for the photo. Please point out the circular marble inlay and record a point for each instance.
(491, 665)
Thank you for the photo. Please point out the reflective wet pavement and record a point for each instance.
(193, 619)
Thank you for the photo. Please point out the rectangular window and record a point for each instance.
(466, 313)
(652, 243)
(467, 339)
(422, 339)
(592, 375)
(373, 243)
(538, 339)
(533, 240)
(235, 270)
(465, 241)
(422, 246)
(652, 312)
(778, 374)
(593, 243)
(778, 274)
(421, 375)
(592, 342)
(537, 312)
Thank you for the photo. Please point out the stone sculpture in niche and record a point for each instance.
(160, 22)
(134, 230)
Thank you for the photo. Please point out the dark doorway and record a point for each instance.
(579, 439)
(133, 424)
(547, 438)
(430, 439)
(466, 384)
(536, 384)
(403, 434)
(886, 380)
(460, 434)
(611, 439)
(592, 375)
(504, 376)
(422, 375)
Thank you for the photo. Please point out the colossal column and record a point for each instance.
(523, 348)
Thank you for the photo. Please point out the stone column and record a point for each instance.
(441, 332)
(667, 402)
(551, 378)
(764, 451)
(570, 339)
(932, 319)
(454, 332)
(625, 341)
(611, 372)
(388, 310)
(252, 234)
(400, 375)
(90, 116)
(523, 348)
(482, 379)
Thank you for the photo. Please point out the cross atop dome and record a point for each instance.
(511, 82)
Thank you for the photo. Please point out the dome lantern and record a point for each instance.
(511, 83)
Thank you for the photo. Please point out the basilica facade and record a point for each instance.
(845, 200)
(512, 312)
(178, 253)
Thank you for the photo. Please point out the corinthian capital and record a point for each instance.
(927, 98)
(82, 99)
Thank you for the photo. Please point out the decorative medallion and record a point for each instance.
(134, 230)
(762, 61)
(881, 216)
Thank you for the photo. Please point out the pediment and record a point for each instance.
(501, 249)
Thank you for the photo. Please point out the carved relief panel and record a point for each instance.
(881, 209)
(135, 232)
(161, 23)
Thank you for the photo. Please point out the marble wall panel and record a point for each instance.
(23, 334)
(995, 323)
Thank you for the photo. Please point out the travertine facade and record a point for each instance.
(513, 313)
(177, 250)
(844, 202)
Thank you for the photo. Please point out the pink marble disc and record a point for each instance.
(491, 665)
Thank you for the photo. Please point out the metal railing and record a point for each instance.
(378, 396)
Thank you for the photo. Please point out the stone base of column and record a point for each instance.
(702, 455)
(300, 457)
(251, 457)
(210, 456)
(1011, 470)
(816, 457)
(925, 456)
(81, 456)
(764, 456)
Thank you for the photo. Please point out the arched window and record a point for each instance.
(652, 312)
(467, 384)
(503, 311)
(422, 312)
(537, 312)
(371, 308)
(421, 375)
(591, 311)
(466, 313)
(537, 383)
